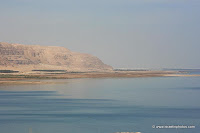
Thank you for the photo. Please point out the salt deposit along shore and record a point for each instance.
(42, 77)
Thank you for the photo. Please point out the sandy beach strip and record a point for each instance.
(38, 78)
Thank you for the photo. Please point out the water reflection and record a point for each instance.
(101, 106)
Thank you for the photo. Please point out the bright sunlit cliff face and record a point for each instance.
(27, 58)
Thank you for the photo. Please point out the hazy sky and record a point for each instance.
(122, 33)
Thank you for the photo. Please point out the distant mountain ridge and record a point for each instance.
(29, 57)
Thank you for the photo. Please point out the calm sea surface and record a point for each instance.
(104, 105)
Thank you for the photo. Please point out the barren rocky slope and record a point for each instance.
(31, 57)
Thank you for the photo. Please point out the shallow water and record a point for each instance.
(104, 105)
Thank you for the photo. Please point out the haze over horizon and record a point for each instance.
(122, 33)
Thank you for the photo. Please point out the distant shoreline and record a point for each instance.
(38, 78)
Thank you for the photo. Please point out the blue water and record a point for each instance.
(192, 72)
(187, 71)
(102, 106)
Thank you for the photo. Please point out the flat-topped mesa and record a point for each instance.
(31, 57)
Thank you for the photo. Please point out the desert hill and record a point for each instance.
(34, 57)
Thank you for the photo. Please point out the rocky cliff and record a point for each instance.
(30, 57)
